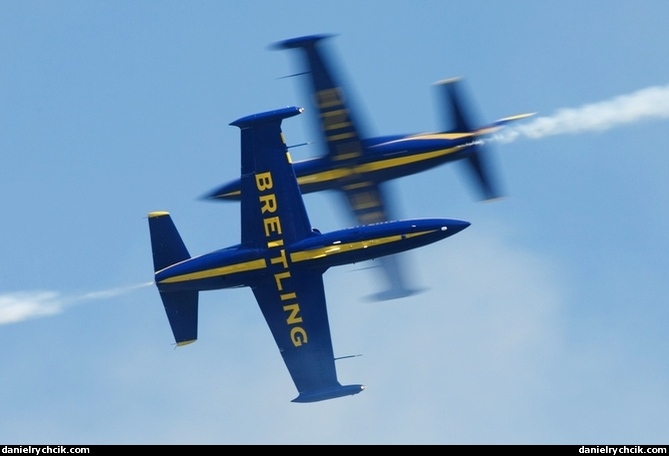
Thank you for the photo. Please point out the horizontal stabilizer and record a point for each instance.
(482, 171)
(166, 243)
(181, 308)
(460, 119)
(328, 393)
(458, 116)
(168, 248)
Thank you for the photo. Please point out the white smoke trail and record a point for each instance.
(24, 305)
(652, 102)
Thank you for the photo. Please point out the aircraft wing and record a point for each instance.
(306, 347)
(341, 135)
(339, 129)
(271, 201)
(292, 300)
(365, 199)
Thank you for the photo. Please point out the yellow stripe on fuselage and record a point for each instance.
(325, 176)
(449, 136)
(336, 249)
(401, 161)
(340, 173)
(215, 272)
(488, 130)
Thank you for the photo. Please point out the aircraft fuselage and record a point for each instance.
(242, 266)
(385, 158)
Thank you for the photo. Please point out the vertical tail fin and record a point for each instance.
(168, 248)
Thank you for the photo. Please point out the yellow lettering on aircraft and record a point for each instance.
(341, 136)
(278, 259)
(333, 120)
(264, 181)
(347, 149)
(272, 225)
(279, 277)
(293, 318)
(268, 203)
(328, 98)
(298, 336)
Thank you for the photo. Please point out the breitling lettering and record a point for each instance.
(328, 98)
(278, 259)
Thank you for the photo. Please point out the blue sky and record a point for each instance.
(542, 323)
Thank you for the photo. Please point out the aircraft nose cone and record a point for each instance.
(454, 226)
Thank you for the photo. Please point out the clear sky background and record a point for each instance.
(542, 323)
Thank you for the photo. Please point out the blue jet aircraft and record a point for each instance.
(280, 257)
(357, 166)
